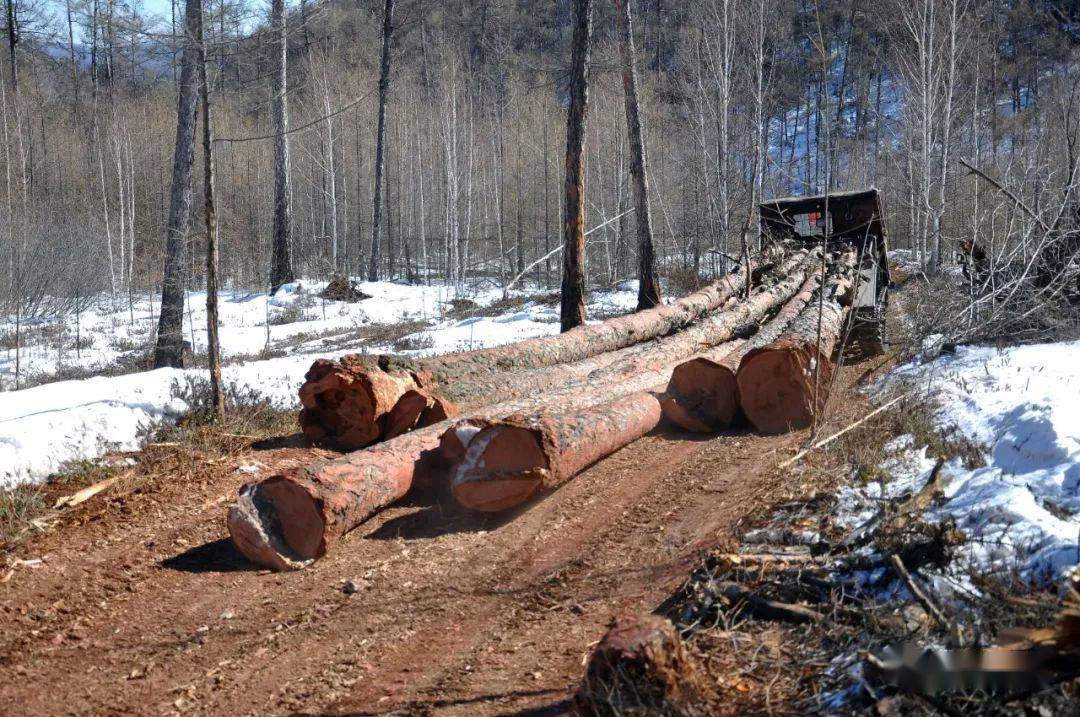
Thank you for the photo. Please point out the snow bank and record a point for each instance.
(1022, 509)
(45, 427)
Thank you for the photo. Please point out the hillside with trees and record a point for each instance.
(737, 100)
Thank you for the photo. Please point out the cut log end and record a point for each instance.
(777, 386)
(503, 467)
(405, 414)
(346, 402)
(277, 524)
(439, 409)
(641, 666)
(702, 396)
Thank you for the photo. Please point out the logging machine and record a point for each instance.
(855, 218)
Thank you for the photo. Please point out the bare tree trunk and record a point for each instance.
(573, 281)
(380, 139)
(170, 339)
(74, 63)
(331, 179)
(648, 286)
(281, 271)
(213, 351)
(13, 42)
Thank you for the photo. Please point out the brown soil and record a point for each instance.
(143, 606)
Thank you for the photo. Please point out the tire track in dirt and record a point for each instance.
(454, 613)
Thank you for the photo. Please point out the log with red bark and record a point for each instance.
(510, 460)
(702, 395)
(517, 457)
(783, 386)
(290, 519)
(641, 666)
(346, 402)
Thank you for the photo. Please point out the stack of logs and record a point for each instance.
(502, 425)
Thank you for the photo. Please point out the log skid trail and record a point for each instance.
(141, 604)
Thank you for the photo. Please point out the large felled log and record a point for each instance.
(702, 395)
(641, 666)
(289, 519)
(511, 460)
(508, 461)
(345, 402)
(784, 385)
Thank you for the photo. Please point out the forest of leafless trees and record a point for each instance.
(740, 100)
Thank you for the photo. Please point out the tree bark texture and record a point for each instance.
(169, 349)
(648, 284)
(281, 271)
(519, 456)
(572, 299)
(380, 140)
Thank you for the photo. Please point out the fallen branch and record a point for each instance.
(826, 441)
(70, 501)
(764, 608)
(920, 595)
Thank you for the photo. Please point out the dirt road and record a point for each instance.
(142, 606)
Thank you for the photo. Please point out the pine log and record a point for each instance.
(345, 401)
(287, 520)
(489, 388)
(702, 395)
(513, 459)
(784, 385)
(641, 666)
(508, 461)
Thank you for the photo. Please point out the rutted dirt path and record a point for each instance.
(141, 606)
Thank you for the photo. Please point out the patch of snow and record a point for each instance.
(46, 427)
(1022, 509)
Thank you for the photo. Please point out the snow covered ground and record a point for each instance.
(296, 318)
(47, 426)
(1021, 511)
